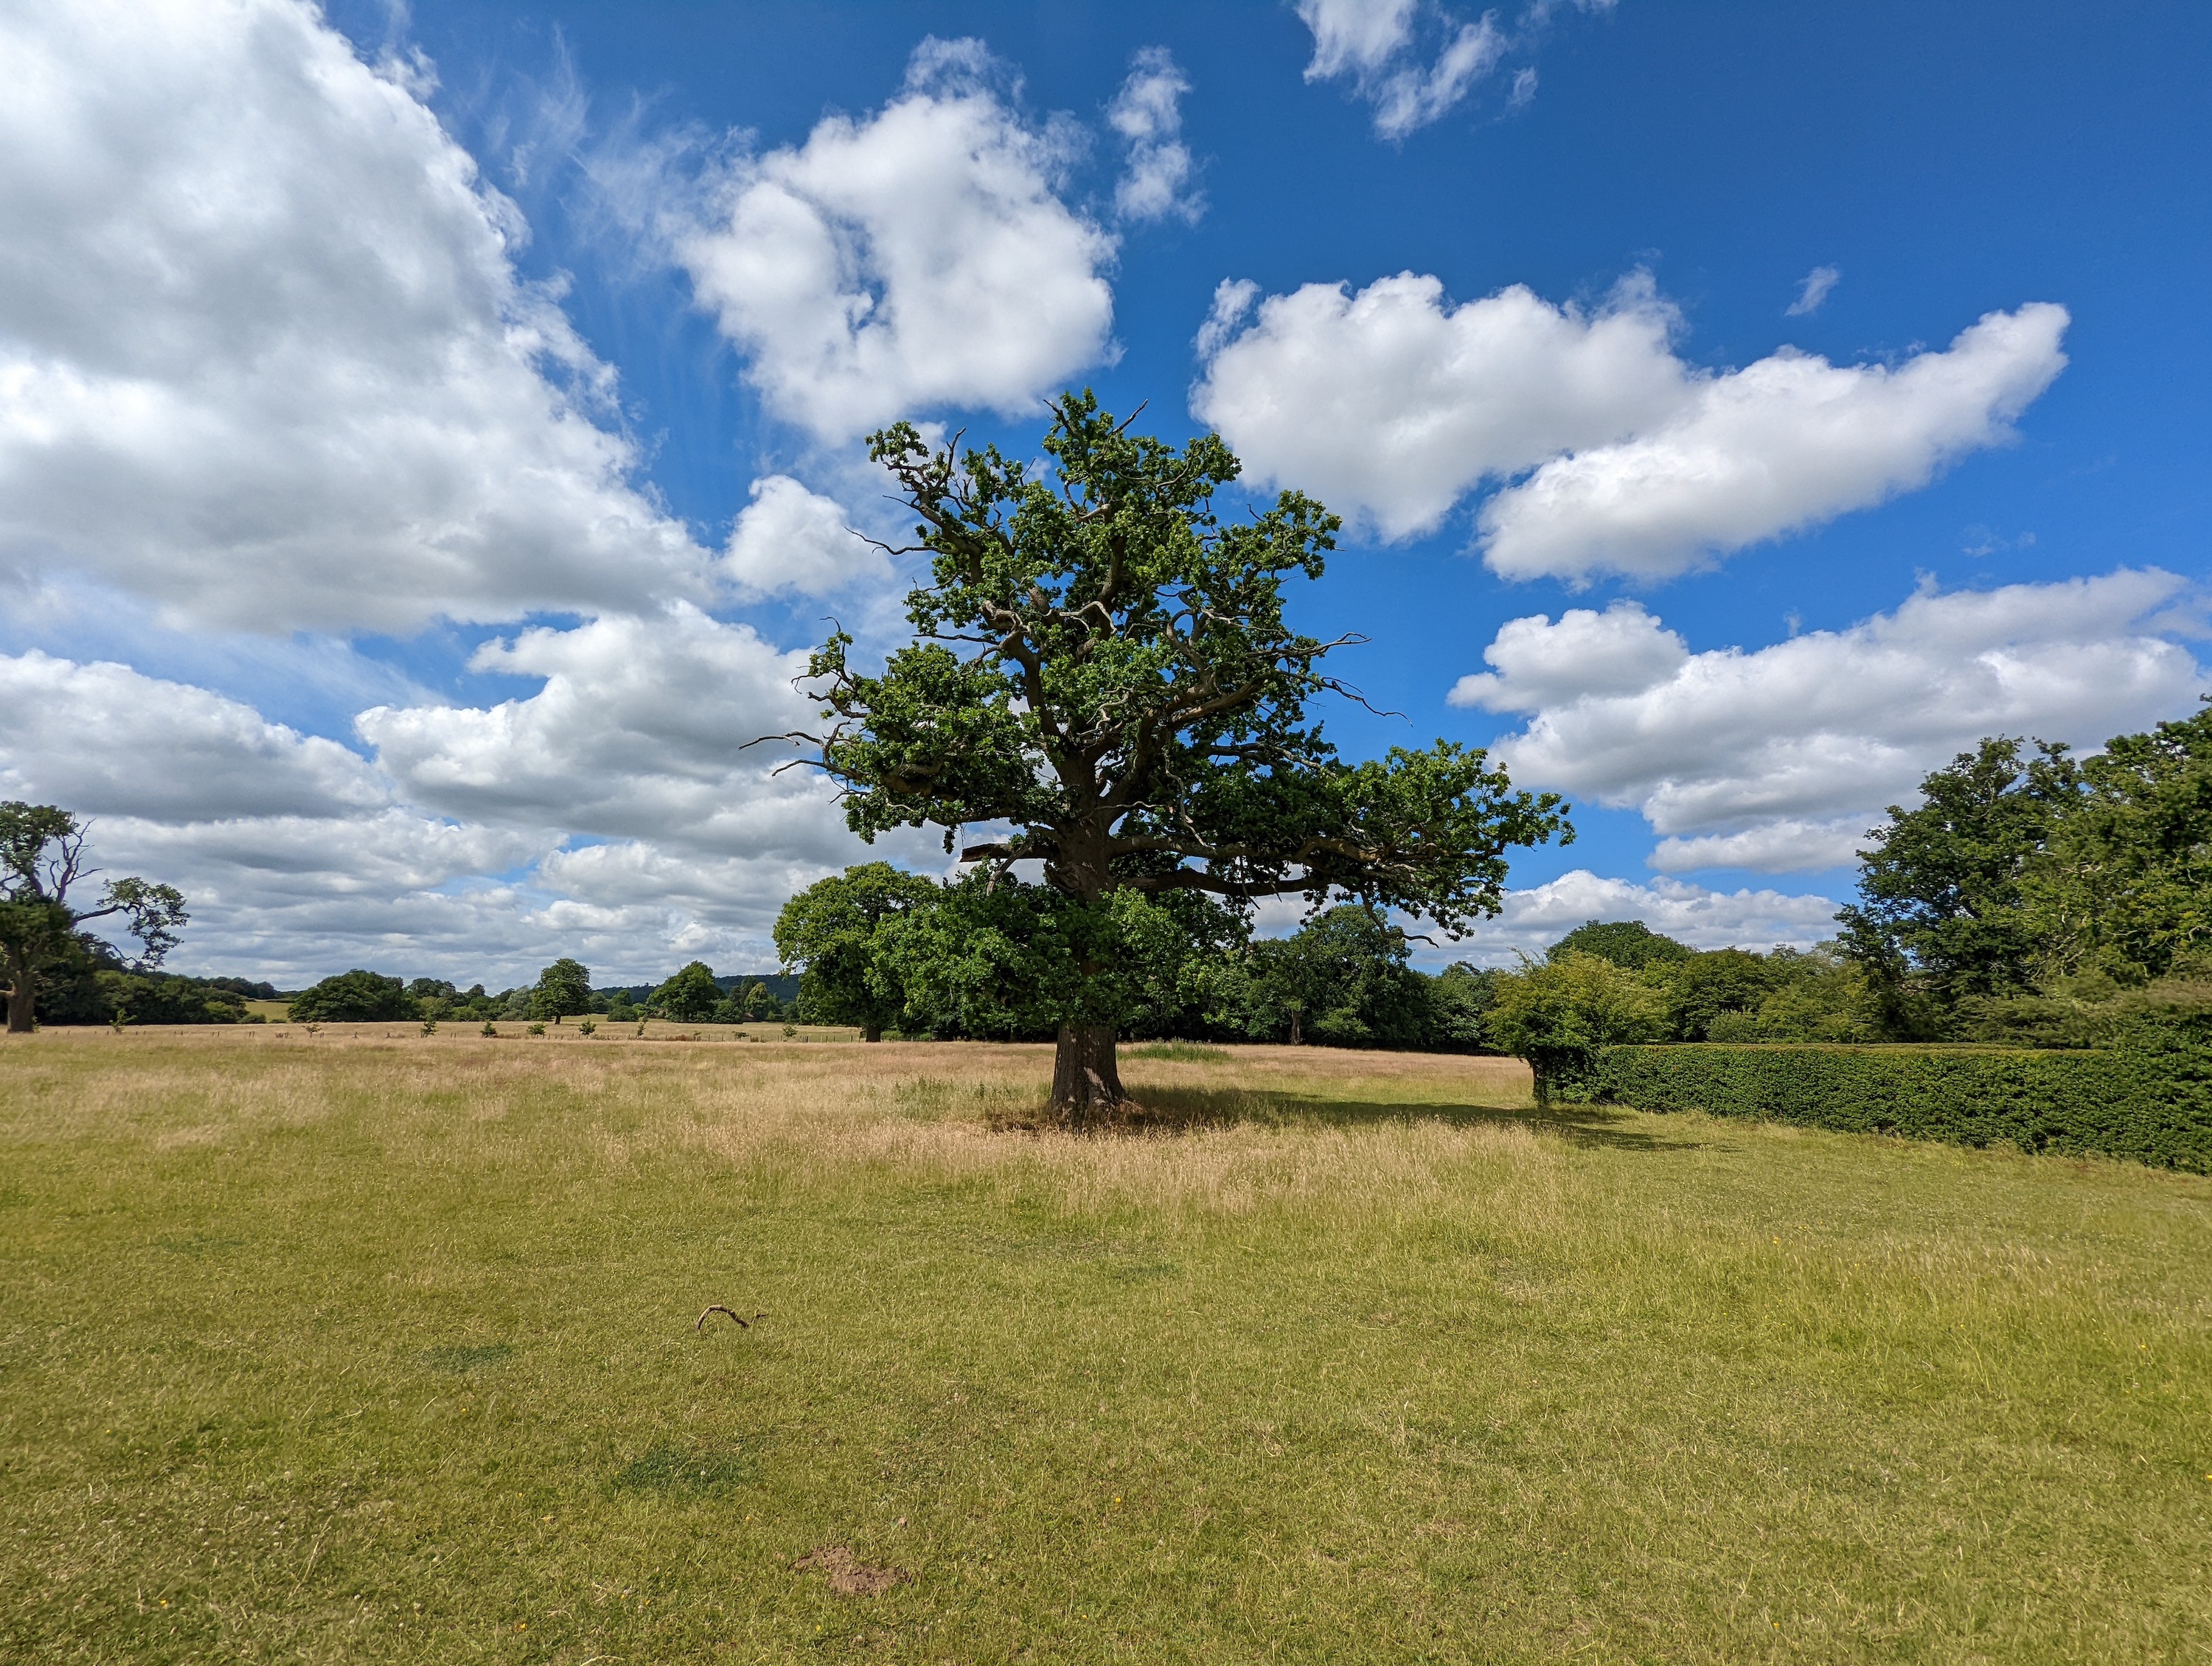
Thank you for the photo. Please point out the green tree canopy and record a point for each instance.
(833, 933)
(1104, 668)
(1461, 997)
(1702, 988)
(353, 997)
(1941, 913)
(690, 996)
(2124, 885)
(42, 927)
(1629, 943)
(998, 958)
(563, 990)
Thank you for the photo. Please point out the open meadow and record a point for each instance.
(368, 1346)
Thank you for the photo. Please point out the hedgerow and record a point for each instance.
(2148, 1098)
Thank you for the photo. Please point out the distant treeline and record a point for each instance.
(105, 991)
(2031, 897)
(563, 990)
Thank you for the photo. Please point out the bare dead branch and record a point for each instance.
(743, 1324)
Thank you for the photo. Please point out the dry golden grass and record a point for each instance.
(368, 1346)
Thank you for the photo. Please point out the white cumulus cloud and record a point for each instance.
(104, 739)
(1779, 445)
(1774, 759)
(611, 815)
(791, 540)
(635, 732)
(265, 357)
(1147, 112)
(1392, 404)
(919, 257)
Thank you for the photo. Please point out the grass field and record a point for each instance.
(369, 1346)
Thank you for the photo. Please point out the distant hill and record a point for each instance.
(782, 986)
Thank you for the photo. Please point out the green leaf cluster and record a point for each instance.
(690, 996)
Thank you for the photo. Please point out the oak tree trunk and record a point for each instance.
(871, 1033)
(1085, 1079)
(21, 992)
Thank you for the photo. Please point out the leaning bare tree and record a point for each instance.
(41, 859)
(1102, 668)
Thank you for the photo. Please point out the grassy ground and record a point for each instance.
(350, 1347)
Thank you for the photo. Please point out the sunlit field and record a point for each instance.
(367, 1345)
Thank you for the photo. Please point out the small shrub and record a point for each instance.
(586, 1027)
(536, 1028)
(1560, 1014)
(490, 1028)
(789, 1030)
(429, 1027)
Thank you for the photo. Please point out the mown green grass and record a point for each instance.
(357, 1349)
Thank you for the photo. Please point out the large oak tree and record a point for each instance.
(1104, 681)
(42, 925)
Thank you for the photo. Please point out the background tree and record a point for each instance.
(1702, 988)
(42, 927)
(1629, 943)
(1813, 994)
(353, 997)
(1343, 978)
(1461, 998)
(1103, 667)
(1941, 914)
(2124, 885)
(833, 933)
(563, 990)
(690, 996)
(433, 997)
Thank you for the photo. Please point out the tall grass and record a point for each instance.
(354, 1347)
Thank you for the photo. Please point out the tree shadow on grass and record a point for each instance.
(1170, 1112)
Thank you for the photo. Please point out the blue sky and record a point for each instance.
(1758, 402)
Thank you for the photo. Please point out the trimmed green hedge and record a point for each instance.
(2148, 1099)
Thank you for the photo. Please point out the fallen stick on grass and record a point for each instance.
(743, 1324)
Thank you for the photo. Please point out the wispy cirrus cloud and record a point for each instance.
(1414, 60)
